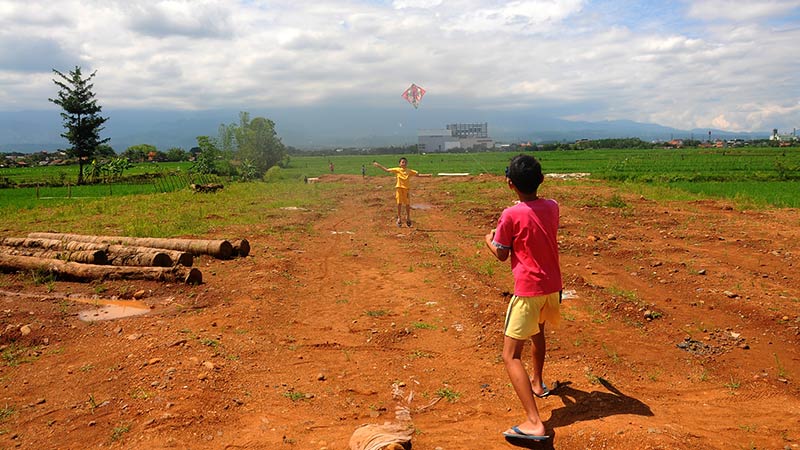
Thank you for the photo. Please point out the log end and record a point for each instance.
(185, 259)
(193, 276)
(241, 247)
(161, 259)
(100, 257)
(225, 250)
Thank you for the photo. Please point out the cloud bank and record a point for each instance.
(684, 64)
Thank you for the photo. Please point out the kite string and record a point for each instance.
(477, 162)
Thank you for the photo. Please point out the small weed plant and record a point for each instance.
(733, 384)
(119, 431)
(448, 394)
(294, 395)
(6, 412)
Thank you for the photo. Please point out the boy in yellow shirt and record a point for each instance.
(403, 174)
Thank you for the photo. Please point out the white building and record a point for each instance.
(456, 135)
(432, 141)
(783, 137)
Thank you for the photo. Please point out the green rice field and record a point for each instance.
(752, 177)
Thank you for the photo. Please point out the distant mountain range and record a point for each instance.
(329, 127)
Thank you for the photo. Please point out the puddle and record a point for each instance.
(111, 309)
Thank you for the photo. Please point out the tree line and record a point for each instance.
(246, 149)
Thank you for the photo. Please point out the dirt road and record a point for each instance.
(680, 331)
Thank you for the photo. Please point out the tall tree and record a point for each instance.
(206, 160)
(258, 143)
(81, 116)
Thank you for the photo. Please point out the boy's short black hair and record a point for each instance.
(402, 158)
(525, 172)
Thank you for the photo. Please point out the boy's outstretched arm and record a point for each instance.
(499, 253)
(378, 165)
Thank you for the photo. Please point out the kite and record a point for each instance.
(414, 95)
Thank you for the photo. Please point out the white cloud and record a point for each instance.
(738, 10)
(193, 18)
(530, 16)
(402, 4)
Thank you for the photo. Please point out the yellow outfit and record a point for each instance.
(403, 184)
(524, 314)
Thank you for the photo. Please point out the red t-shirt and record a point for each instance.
(529, 230)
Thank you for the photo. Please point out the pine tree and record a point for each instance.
(81, 116)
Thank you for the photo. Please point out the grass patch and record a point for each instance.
(616, 202)
(152, 215)
(420, 354)
(628, 296)
(782, 373)
(41, 277)
(14, 355)
(294, 395)
(653, 375)
(611, 354)
(119, 431)
(140, 394)
(733, 384)
(448, 394)
(6, 412)
(213, 343)
(593, 379)
(423, 326)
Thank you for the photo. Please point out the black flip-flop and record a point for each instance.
(547, 391)
(519, 434)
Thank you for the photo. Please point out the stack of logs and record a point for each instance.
(82, 257)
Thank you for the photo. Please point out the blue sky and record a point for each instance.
(725, 64)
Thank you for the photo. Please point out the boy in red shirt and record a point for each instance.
(527, 233)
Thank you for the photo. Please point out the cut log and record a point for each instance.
(50, 244)
(71, 270)
(118, 255)
(241, 247)
(123, 255)
(138, 256)
(97, 257)
(221, 249)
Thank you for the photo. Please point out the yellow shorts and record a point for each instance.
(524, 314)
(401, 195)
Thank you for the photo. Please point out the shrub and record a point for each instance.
(274, 173)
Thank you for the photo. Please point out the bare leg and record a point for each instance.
(399, 213)
(512, 352)
(538, 349)
(408, 214)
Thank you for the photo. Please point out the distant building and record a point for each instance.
(432, 141)
(675, 143)
(783, 137)
(469, 130)
(455, 135)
